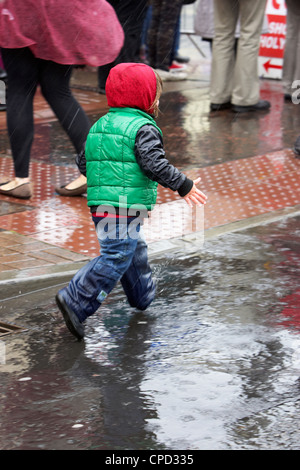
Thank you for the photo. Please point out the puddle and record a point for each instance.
(213, 364)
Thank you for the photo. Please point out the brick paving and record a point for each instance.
(19, 252)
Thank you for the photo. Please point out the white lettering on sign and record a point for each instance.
(277, 28)
(272, 42)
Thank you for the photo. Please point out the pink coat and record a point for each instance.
(64, 31)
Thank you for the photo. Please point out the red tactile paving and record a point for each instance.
(236, 190)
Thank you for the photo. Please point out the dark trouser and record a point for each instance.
(162, 31)
(123, 258)
(25, 73)
(131, 16)
(291, 61)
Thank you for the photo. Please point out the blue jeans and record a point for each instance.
(123, 258)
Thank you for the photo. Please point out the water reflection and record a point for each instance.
(215, 354)
(117, 341)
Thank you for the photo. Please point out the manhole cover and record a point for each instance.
(7, 329)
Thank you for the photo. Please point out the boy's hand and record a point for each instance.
(195, 196)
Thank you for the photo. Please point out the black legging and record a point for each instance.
(131, 16)
(25, 73)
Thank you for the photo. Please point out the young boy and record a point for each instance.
(124, 161)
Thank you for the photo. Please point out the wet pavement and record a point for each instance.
(246, 163)
(215, 362)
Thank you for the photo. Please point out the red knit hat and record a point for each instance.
(131, 85)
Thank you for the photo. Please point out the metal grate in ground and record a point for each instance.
(7, 329)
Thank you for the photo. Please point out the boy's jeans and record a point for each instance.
(123, 257)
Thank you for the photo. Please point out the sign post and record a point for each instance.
(270, 60)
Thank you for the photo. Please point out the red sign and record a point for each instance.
(272, 44)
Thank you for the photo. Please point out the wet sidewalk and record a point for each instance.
(248, 170)
(214, 362)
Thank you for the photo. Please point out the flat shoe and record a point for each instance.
(71, 319)
(63, 191)
(21, 192)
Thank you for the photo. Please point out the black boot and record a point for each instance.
(71, 319)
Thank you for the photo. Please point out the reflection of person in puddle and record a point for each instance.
(125, 160)
(111, 373)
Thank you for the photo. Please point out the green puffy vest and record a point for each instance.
(113, 175)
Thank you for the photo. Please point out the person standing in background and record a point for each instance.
(131, 14)
(204, 22)
(161, 36)
(234, 77)
(291, 61)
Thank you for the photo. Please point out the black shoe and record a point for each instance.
(220, 107)
(287, 97)
(297, 147)
(70, 317)
(182, 60)
(2, 107)
(262, 105)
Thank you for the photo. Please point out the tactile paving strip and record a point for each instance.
(236, 190)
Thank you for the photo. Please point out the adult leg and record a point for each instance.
(131, 16)
(291, 62)
(226, 13)
(55, 86)
(103, 72)
(23, 77)
(293, 6)
(156, 6)
(22, 72)
(162, 31)
(246, 87)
